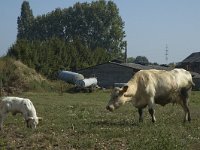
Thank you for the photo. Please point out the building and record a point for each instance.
(191, 63)
(110, 73)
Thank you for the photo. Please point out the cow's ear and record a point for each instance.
(40, 118)
(30, 118)
(124, 89)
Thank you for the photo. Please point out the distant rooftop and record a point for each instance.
(135, 66)
(146, 67)
(194, 57)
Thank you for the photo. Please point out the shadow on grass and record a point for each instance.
(120, 123)
(77, 90)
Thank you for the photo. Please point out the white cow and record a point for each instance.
(150, 87)
(19, 105)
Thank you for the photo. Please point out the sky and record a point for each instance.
(150, 25)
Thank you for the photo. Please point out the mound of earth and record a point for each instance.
(16, 77)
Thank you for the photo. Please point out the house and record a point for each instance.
(110, 73)
(191, 63)
(196, 80)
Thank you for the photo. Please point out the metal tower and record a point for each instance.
(166, 54)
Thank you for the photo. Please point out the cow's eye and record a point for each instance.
(116, 96)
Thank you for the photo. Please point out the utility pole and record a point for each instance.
(125, 57)
(166, 54)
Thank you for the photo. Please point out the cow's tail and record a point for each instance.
(193, 84)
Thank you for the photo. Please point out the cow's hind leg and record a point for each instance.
(152, 110)
(140, 111)
(184, 104)
(187, 116)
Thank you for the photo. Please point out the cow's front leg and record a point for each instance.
(140, 111)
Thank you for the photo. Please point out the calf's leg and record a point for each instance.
(2, 117)
(1, 123)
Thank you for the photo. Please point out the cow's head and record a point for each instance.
(32, 122)
(118, 97)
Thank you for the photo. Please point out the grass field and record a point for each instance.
(80, 121)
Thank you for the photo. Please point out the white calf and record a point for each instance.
(19, 105)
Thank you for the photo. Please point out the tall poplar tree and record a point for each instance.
(24, 21)
(72, 38)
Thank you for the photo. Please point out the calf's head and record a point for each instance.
(32, 122)
(118, 97)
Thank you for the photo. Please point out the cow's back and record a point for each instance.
(183, 78)
(163, 86)
(152, 84)
(155, 81)
(17, 104)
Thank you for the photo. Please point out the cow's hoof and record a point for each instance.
(141, 120)
(189, 119)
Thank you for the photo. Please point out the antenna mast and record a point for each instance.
(166, 53)
(125, 57)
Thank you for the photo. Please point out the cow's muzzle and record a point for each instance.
(110, 108)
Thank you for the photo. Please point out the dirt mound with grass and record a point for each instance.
(16, 77)
(26, 73)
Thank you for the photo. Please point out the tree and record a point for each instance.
(141, 60)
(73, 38)
(130, 60)
(106, 27)
(24, 21)
(95, 25)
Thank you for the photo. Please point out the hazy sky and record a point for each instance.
(149, 25)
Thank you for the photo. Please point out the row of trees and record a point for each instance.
(71, 38)
(138, 60)
(49, 56)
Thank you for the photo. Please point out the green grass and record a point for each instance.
(80, 121)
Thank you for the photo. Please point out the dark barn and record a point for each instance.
(110, 73)
(191, 63)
